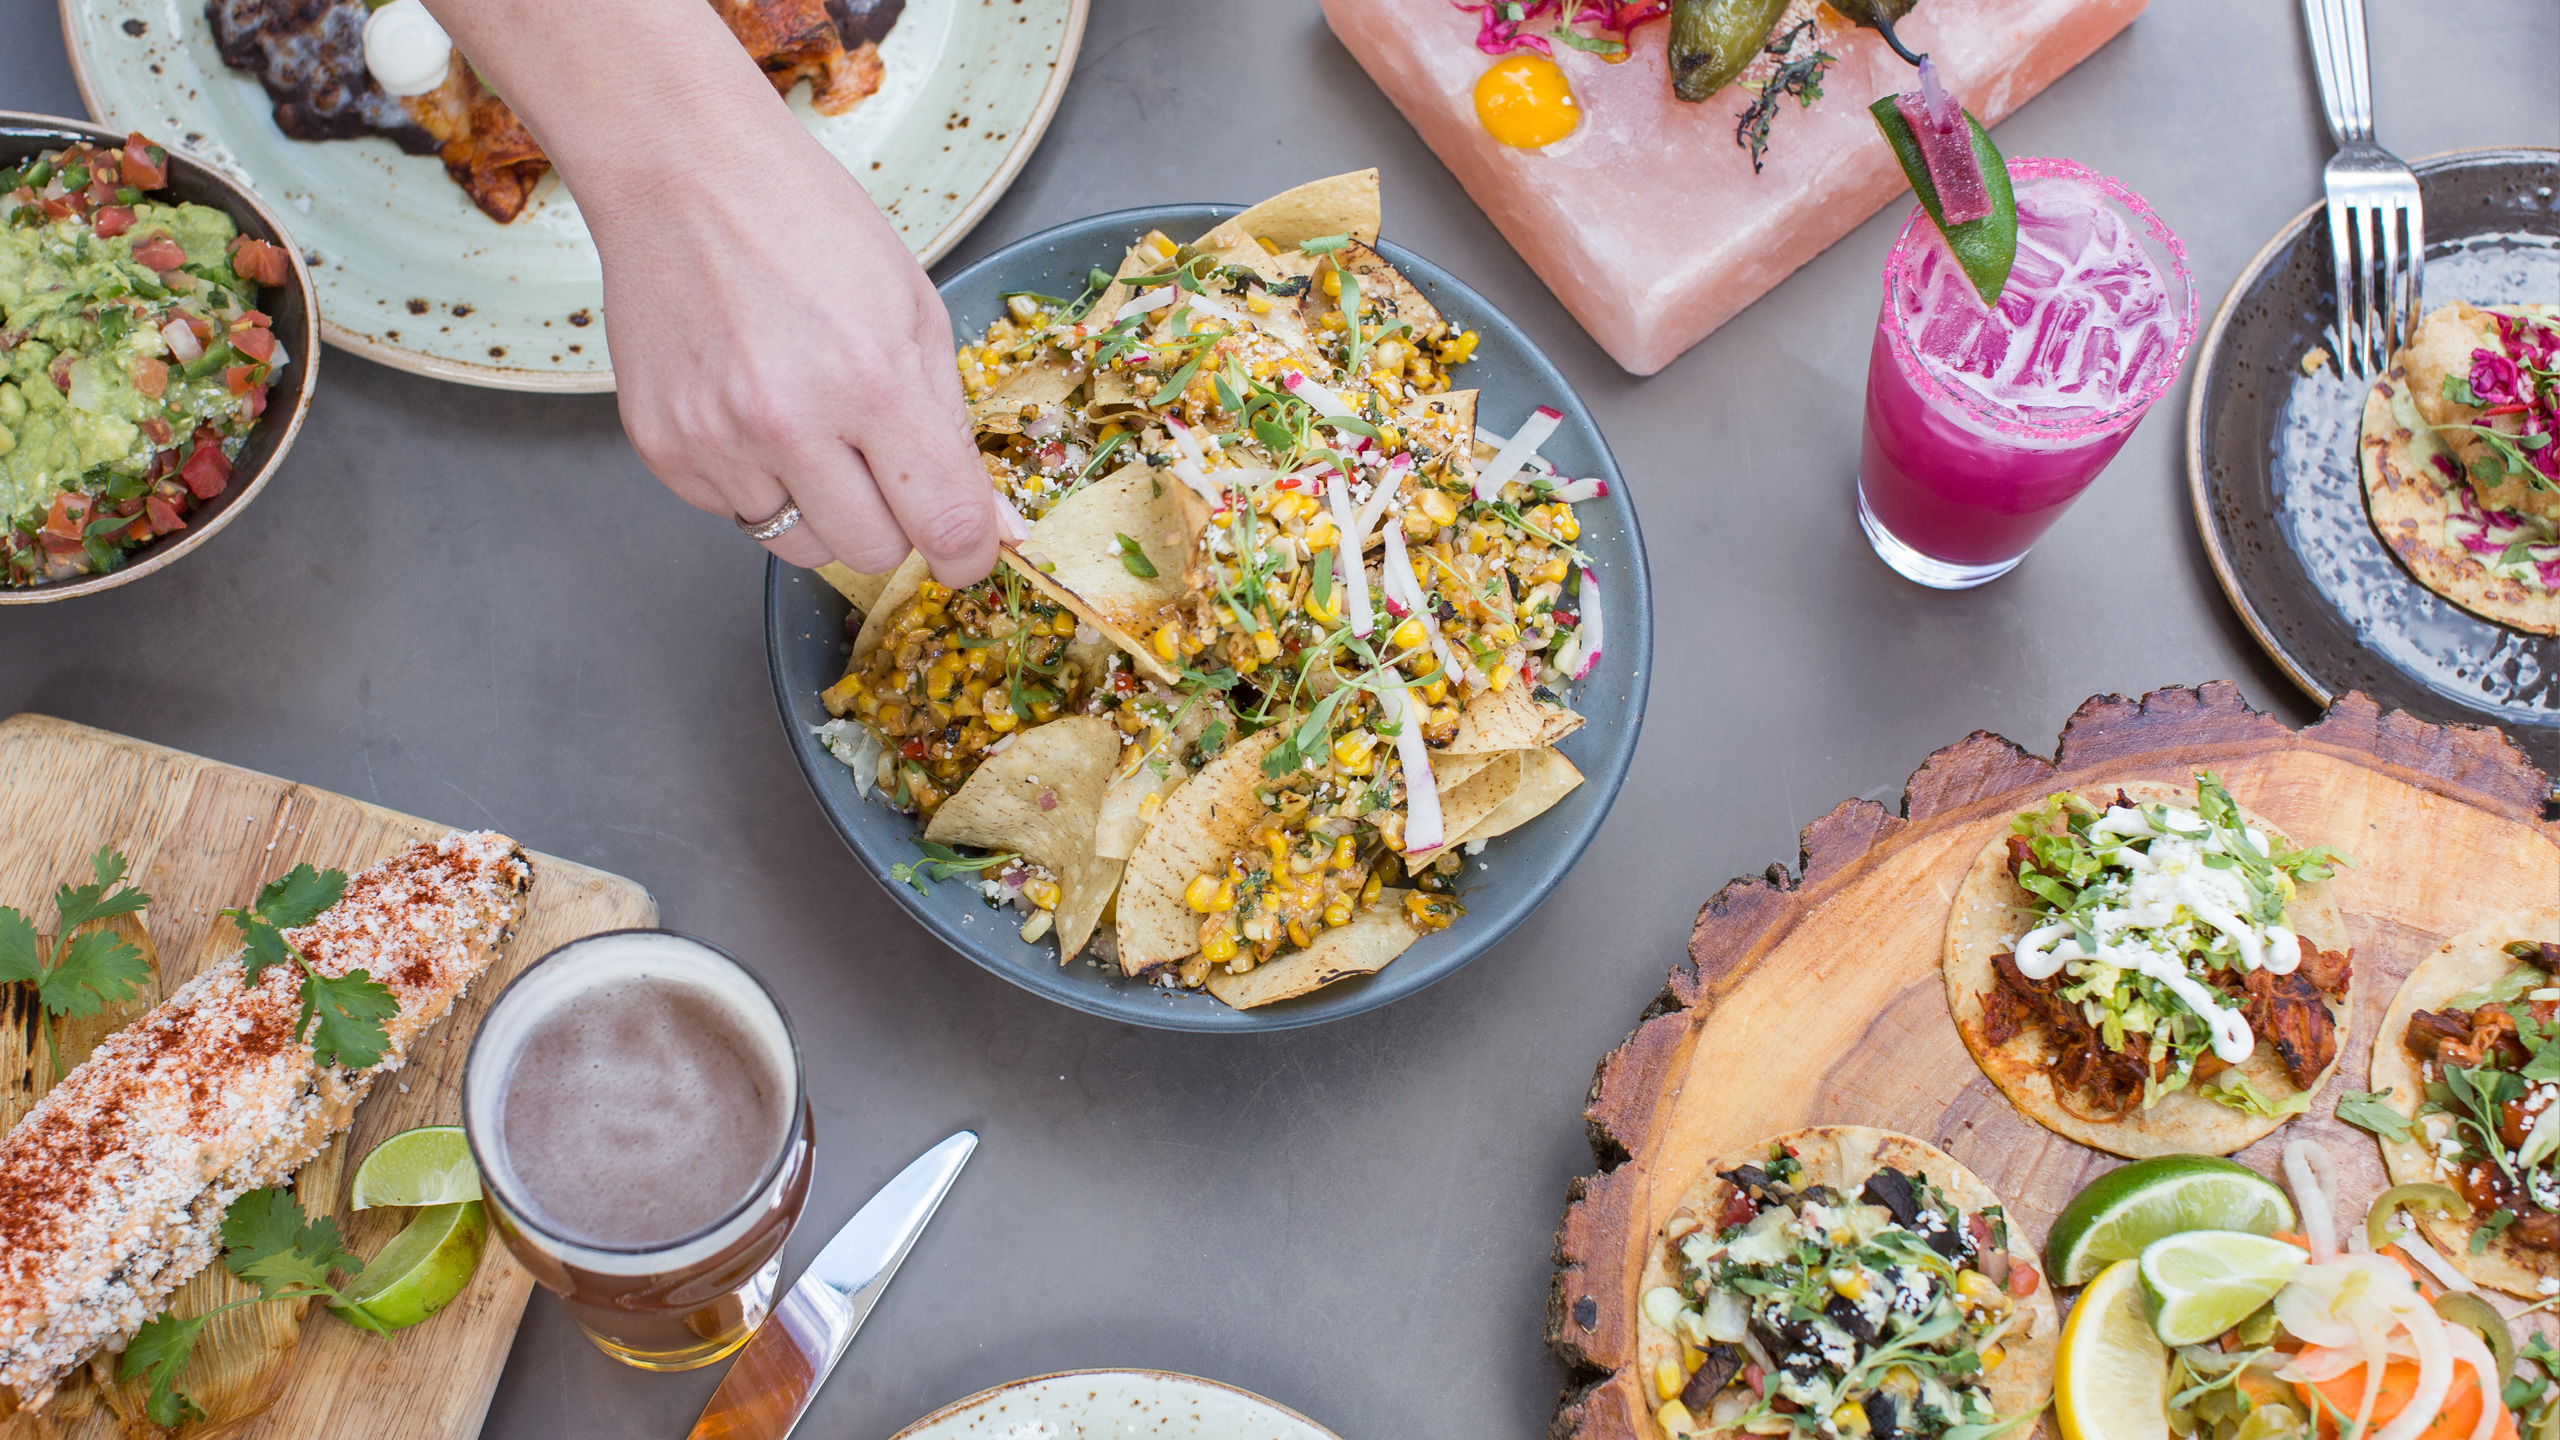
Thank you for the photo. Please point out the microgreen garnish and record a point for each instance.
(1799, 76)
(341, 1014)
(1322, 244)
(941, 862)
(88, 971)
(2366, 1111)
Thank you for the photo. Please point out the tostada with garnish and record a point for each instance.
(1844, 1280)
(2466, 1094)
(2460, 475)
(2149, 969)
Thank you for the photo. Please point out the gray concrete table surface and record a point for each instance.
(479, 607)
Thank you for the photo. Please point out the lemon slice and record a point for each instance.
(2203, 1282)
(430, 1165)
(2112, 1382)
(2124, 1210)
(420, 1271)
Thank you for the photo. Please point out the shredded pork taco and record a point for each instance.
(2150, 970)
(2460, 477)
(1843, 1280)
(1328, 622)
(2466, 1094)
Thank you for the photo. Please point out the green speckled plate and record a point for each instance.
(1095, 1404)
(410, 274)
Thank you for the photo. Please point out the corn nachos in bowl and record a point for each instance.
(1296, 621)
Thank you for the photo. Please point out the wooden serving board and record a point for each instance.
(1816, 998)
(203, 836)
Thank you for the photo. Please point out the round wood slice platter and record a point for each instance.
(1815, 998)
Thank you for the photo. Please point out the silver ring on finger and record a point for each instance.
(773, 527)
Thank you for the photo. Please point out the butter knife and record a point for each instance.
(779, 1372)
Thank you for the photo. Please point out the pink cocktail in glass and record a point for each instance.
(1984, 423)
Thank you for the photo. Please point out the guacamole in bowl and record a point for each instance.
(139, 346)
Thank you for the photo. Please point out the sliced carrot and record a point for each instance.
(2345, 1391)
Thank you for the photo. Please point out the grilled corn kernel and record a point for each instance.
(1391, 354)
(1064, 623)
(1038, 925)
(1436, 691)
(1410, 635)
(1259, 305)
(1219, 948)
(1327, 609)
(1168, 641)
(1353, 754)
(841, 696)
(1344, 855)
(1976, 1289)
(1458, 348)
(1849, 1419)
(1501, 633)
(1333, 284)
(1266, 644)
(1992, 1355)
(1337, 911)
(1024, 308)
(1201, 894)
(1440, 506)
(1001, 719)
(1557, 520)
(1850, 1284)
(939, 680)
(1675, 1419)
(1299, 935)
(1043, 893)
(1691, 1357)
(1499, 677)
(934, 591)
(1668, 1379)
(1553, 572)
(1369, 890)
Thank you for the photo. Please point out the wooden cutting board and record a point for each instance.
(1816, 998)
(202, 836)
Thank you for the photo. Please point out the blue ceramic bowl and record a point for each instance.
(805, 637)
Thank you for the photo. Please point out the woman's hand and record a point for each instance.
(773, 342)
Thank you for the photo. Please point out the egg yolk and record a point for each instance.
(1524, 100)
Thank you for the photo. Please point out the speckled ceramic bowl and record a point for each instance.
(805, 639)
(296, 325)
(410, 274)
(1094, 1404)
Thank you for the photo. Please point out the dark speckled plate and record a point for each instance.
(804, 632)
(2271, 461)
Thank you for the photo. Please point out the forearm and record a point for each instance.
(630, 98)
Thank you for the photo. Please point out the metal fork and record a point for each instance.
(2377, 226)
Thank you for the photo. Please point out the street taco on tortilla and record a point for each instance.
(2460, 475)
(2464, 1067)
(1842, 1267)
(2150, 970)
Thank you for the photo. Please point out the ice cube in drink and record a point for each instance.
(1984, 422)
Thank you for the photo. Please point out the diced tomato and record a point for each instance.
(164, 516)
(914, 748)
(238, 378)
(256, 260)
(69, 515)
(160, 252)
(254, 404)
(101, 193)
(199, 327)
(155, 429)
(258, 318)
(59, 544)
(113, 220)
(2023, 1278)
(60, 372)
(151, 377)
(2454, 1419)
(206, 469)
(140, 167)
(60, 209)
(255, 343)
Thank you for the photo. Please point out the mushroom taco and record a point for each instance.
(2466, 1081)
(2460, 477)
(1313, 626)
(1843, 1280)
(2150, 970)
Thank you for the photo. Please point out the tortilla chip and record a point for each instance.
(854, 585)
(1510, 719)
(1376, 935)
(2472, 960)
(1110, 396)
(893, 596)
(1467, 800)
(1842, 1157)
(2409, 500)
(1125, 816)
(1441, 429)
(1985, 922)
(1035, 385)
(1336, 205)
(1448, 771)
(1545, 778)
(1384, 286)
(1067, 763)
(1201, 826)
(1079, 539)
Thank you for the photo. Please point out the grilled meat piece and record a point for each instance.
(1853, 1322)
(2327, 970)
(113, 1188)
(2428, 1031)
(2541, 954)
(1884, 1416)
(1754, 1184)
(2288, 1012)
(2006, 1015)
(1891, 1189)
(1723, 1362)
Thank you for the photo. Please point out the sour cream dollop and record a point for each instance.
(404, 47)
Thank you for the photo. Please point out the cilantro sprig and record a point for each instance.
(266, 1241)
(341, 1014)
(941, 862)
(90, 970)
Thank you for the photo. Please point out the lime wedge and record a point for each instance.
(2112, 1379)
(420, 1271)
(430, 1165)
(1987, 247)
(2203, 1282)
(2124, 1210)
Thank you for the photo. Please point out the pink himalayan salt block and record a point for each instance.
(1647, 222)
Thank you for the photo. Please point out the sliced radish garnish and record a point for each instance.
(1574, 492)
(1421, 792)
(1349, 570)
(1396, 575)
(1155, 298)
(1586, 636)
(1325, 401)
(1381, 497)
(1515, 452)
(1014, 524)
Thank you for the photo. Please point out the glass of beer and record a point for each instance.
(635, 1104)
